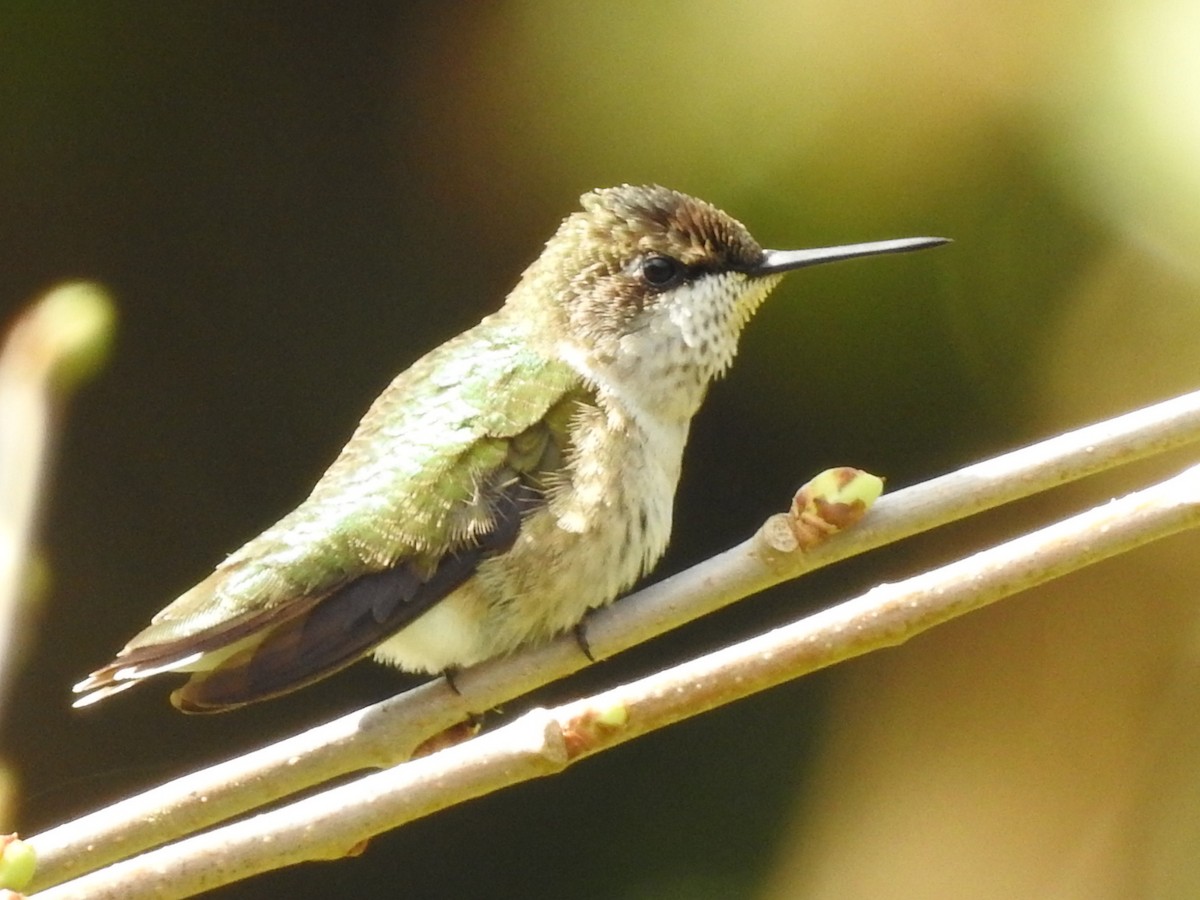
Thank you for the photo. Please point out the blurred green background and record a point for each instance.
(292, 203)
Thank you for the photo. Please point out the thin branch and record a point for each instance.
(47, 350)
(337, 822)
(386, 733)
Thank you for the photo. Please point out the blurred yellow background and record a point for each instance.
(292, 204)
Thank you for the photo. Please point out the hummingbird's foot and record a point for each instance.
(580, 632)
(474, 720)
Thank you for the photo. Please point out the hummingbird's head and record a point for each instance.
(652, 284)
(645, 277)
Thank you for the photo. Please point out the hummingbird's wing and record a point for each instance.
(436, 478)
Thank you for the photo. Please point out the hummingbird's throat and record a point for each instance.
(681, 344)
(708, 317)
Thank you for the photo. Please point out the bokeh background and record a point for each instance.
(291, 203)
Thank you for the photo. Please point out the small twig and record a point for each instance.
(48, 349)
(337, 822)
(386, 733)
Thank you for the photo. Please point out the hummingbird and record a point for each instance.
(511, 480)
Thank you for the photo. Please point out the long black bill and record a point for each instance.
(775, 261)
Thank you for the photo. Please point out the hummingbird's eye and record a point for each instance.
(662, 272)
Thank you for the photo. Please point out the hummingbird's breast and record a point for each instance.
(606, 522)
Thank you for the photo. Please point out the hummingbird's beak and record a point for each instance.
(777, 261)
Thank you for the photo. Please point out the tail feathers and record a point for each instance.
(97, 691)
(196, 653)
(131, 667)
